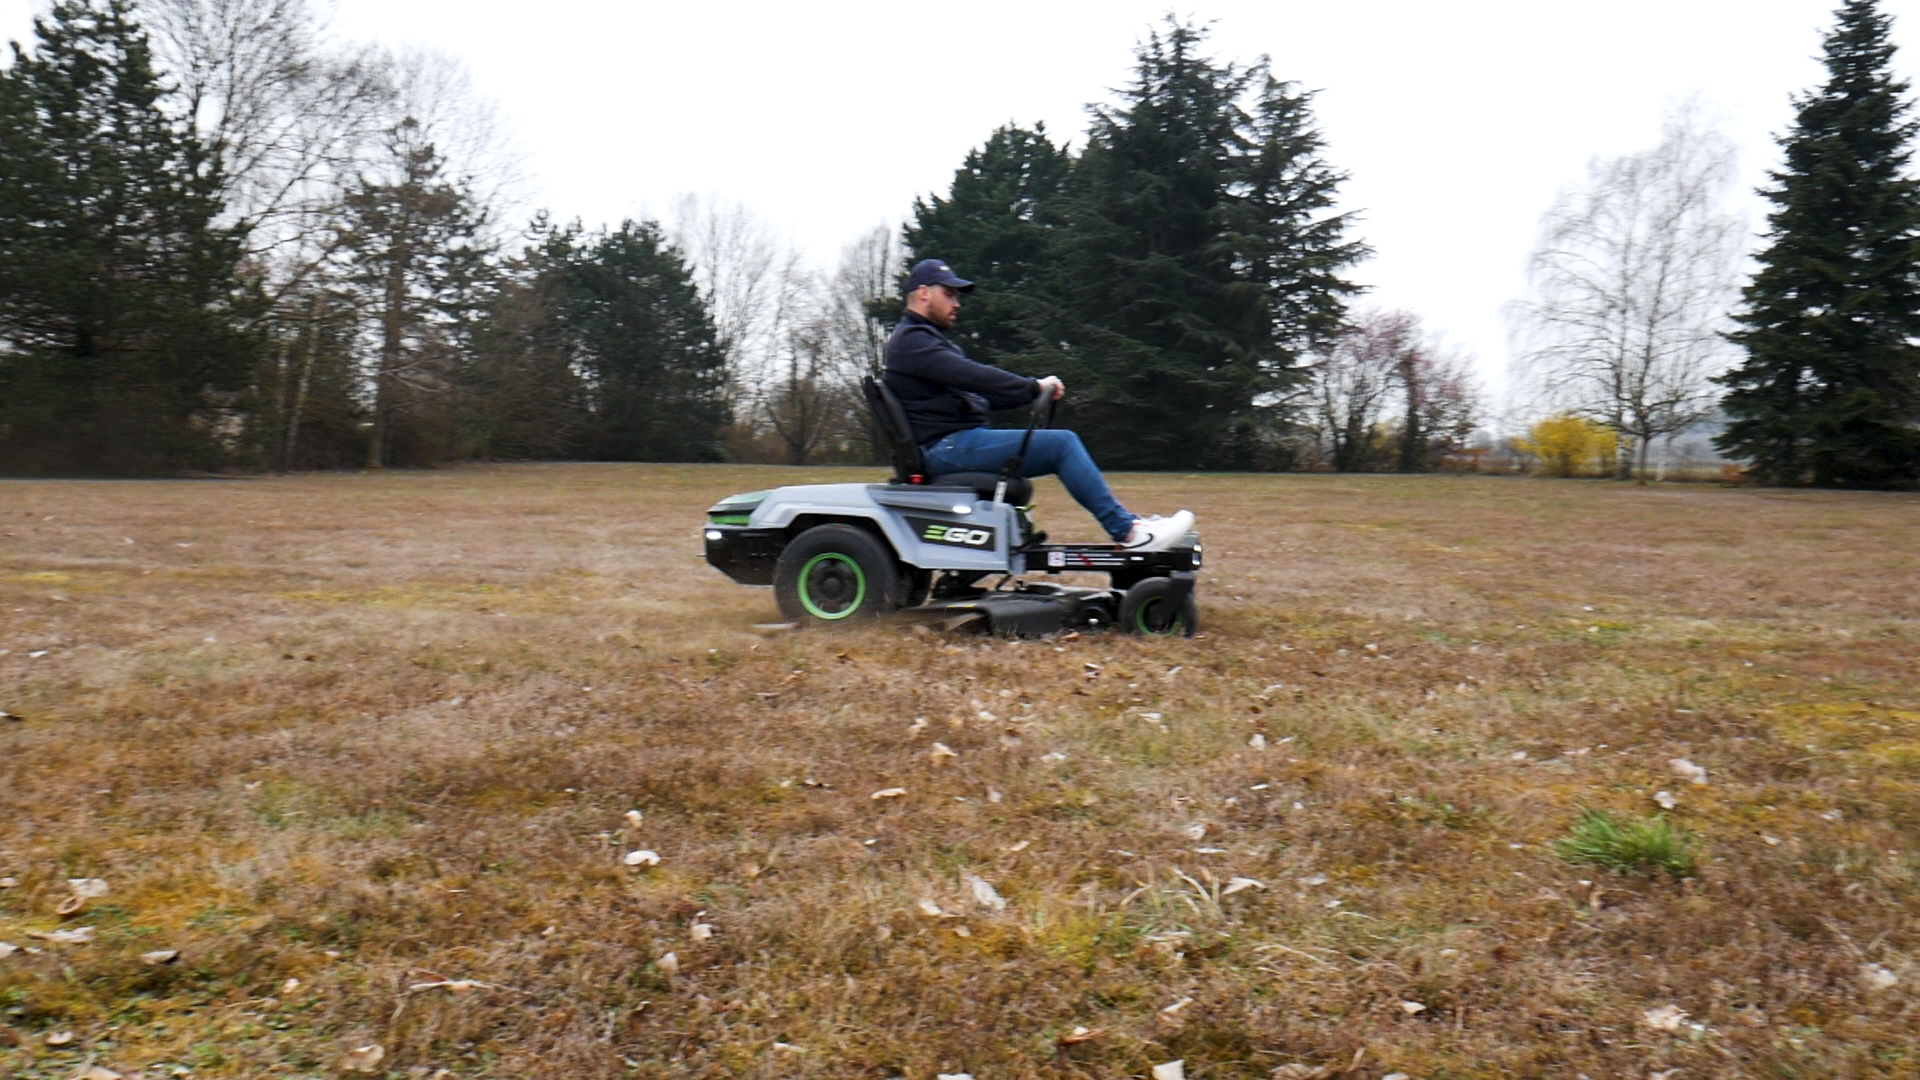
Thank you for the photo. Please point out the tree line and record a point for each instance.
(228, 244)
(225, 244)
(1639, 322)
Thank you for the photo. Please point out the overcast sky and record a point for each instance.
(1457, 122)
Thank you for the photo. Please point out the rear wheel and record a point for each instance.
(1150, 607)
(835, 574)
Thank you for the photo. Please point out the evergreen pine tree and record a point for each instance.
(1203, 258)
(998, 226)
(119, 296)
(1830, 388)
(422, 264)
(636, 328)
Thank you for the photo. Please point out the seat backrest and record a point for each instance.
(892, 422)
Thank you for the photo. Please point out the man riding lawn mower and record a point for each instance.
(949, 518)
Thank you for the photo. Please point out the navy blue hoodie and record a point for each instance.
(941, 390)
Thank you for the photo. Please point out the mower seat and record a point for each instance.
(910, 465)
(1019, 489)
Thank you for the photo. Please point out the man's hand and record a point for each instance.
(1052, 385)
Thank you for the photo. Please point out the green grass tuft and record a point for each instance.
(1599, 839)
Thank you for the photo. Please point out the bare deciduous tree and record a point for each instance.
(1386, 394)
(1630, 284)
(868, 278)
(286, 117)
(745, 273)
(1354, 386)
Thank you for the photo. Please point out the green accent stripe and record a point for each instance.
(729, 519)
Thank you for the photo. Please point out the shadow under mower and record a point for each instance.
(838, 553)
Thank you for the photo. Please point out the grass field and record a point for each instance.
(362, 751)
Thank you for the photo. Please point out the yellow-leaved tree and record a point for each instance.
(1567, 444)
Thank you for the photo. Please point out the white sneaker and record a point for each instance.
(1158, 533)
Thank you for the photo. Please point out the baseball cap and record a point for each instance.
(935, 272)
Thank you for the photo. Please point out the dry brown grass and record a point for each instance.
(368, 732)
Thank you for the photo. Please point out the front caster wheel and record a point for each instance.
(835, 574)
(1158, 606)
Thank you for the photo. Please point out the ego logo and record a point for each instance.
(940, 532)
(958, 534)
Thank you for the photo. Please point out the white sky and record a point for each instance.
(1458, 122)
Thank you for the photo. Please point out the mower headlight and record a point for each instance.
(713, 534)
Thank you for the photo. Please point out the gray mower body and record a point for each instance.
(925, 544)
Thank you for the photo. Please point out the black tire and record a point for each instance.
(1149, 608)
(835, 574)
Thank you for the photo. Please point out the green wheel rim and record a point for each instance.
(1142, 624)
(833, 575)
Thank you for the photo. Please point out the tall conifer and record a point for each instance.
(118, 293)
(1203, 257)
(1830, 390)
(998, 226)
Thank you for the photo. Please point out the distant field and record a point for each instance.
(362, 750)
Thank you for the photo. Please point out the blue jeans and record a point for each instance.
(1052, 453)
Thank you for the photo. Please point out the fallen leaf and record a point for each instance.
(1665, 799)
(1175, 1008)
(1316, 879)
(1297, 1071)
(451, 986)
(702, 931)
(954, 1076)
(1196, 830)
(635, 817)
(1875, 977)
(1054, 757)
(79, 935)
(643, 857)
(160, 956)
(1258, 742)
(88, 888)
(888, 793)
(1412, 1008)
(985, 895)
(942, 750)
(289, 986)
(1019, 847)
(59, 1038)
(931, 910)
(1172, 1070)
(1664, 1018)
(1079, 1035)
(70, 906)
(9, 883)
(1241, 884)
(96, 1072)
(7, 949)
(1687, 770)
(364, 1059)
(669, 964)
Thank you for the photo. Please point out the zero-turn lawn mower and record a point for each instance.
(836, 553)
